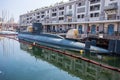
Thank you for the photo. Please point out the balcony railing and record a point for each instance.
(111, 7)
(94, 1)
(105, 36)
(111, 18)
(68, 14)
(46, 17)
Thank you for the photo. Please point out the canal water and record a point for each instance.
(19, 61)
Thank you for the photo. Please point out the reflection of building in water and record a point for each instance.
(7, 46)
(77, 67)
(1, 38)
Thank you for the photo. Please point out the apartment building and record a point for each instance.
(89, 16)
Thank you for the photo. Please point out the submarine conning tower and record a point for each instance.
(37, 28)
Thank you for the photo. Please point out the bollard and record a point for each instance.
(81, 52)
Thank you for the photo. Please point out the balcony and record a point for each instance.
(47, 17)
(61, 13)
(112, 6)
(94, 1)
(68, 14)
(110, 17)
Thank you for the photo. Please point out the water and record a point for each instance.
(0, 72)
(20, 61)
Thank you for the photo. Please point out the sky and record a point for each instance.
(14, 8)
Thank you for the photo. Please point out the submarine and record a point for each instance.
(36, 35)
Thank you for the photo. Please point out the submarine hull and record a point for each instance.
(59, 42)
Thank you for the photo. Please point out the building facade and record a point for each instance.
(88, 16)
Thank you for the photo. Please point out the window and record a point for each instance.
(54, 14)
(91, 8)
(96, 14)
(61, 13)
(82, 16)
(61, 18)
(61, 8)
(38, 16)
(70, 6)
(79, 4)
(94, 1)
(69, 20)
(38, 13)
(42, 16)
(42, 12)
(78, 16)
(95, 7)
(38, 20)
(54, 10)
(91, 15)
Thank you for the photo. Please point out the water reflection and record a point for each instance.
(76, 67)
(23, 66)
(8, 46)
(110, 60)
